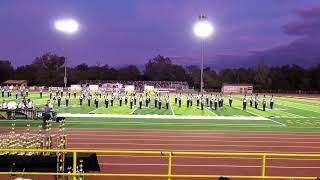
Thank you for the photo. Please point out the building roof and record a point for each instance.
(14, 82)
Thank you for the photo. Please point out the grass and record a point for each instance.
(289, 114)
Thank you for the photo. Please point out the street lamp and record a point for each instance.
(67, 26)
(203, 29)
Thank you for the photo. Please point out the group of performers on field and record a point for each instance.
(143, 100)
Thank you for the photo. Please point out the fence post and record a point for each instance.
(263, 166)
(74, 165)
(169, 165)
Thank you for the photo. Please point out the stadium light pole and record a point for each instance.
(69, 27)
(203, 29)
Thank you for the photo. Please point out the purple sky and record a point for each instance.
(120, 32)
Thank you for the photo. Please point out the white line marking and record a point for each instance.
(95, 110)
(282, 124)
(206, 157)
(201, 150)
(192, 140)
(161, 116)
(210, 111)
(192, 145)
(133, 110)
(206, 165)
(171, 109)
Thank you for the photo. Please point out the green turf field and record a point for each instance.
(289, 114)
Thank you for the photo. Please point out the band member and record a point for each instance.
(106, 101)
(135, 99)
(230, 100)
(202, 103)
(147, 100)
(50, 94)
(8, 92)
(131, 102)
(271, 102)
(140, 102)
(16, 93)
(156, 101)
(251, 100)
(59, 100)
(96, 101)
(188, 101)
(207, 100)
(120, 100)
(81, 99)
(211, 102)
(89, 100)
(264, 103)
(27, 92)
(179, 101)
(61, 92)
(67, 101)
(126, 99)
(191, 96)
(112, 99)
(198, 100)
(2, 92)
(176, 99)
(244, 102)
(74, 94)
(221, 100)
(167, 102)
(69, 93)
(57, 93)
(216, 100)
(256, 101)
(160, 101)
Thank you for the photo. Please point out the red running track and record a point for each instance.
(198, 140)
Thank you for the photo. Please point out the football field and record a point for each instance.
(289, 113)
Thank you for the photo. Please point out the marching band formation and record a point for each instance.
(134, 100)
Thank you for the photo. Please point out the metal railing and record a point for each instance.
(169, 155)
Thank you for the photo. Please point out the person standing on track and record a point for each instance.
(244, 102)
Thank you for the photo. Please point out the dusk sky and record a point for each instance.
(121, 32)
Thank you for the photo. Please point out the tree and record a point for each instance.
(49, 69)
(6, 70)
(130, 72)
(261, 78)
(158, 69)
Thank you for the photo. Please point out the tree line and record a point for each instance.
(48, 70)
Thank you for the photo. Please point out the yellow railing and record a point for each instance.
(169, 154)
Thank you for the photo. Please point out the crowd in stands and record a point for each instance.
(139, 85)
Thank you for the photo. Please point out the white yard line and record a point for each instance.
(95, 110)
(211, 111)
(171, 109)
(282, 124)
(133, 110)
(161, 116)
